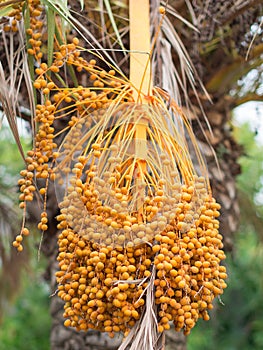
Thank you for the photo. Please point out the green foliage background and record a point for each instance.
(236, 321)
(26, 322)
(27, 325)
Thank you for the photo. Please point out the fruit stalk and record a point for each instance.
(140, 78)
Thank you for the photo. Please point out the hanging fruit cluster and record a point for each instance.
(133, 207)
(103, 283)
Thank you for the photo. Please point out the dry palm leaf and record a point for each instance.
(9, 95)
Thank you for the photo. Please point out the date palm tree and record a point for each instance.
(202, 53)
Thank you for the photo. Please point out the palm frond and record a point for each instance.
(82, 30)
(5, 9)
(113, 23)
(168, 42)
(9, 97)
(178, 80)
(16, 94)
